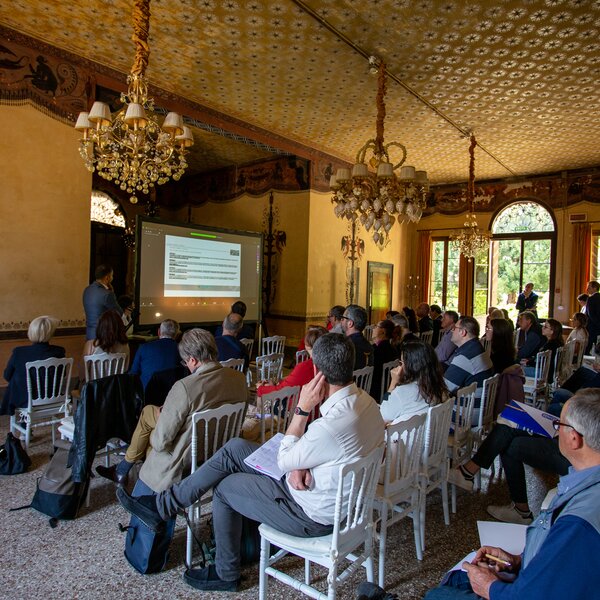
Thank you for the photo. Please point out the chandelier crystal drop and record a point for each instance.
(131, 148)
(471, 240)
(378, 199)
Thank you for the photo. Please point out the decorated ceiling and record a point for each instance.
(523, 75)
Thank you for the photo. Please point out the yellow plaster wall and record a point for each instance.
(327, 266)
(44, 219)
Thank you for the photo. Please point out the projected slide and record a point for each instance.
(193, 273)
(197, 268)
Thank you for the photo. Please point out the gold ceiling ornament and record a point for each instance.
(378, 199)
(470, 240)
(131, 148)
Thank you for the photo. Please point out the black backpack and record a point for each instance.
(56, 494)
(13, 458)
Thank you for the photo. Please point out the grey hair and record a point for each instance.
(41, 329)
(333, 355)
(230, 323)
(400, 321)
(169, 328)
(583, 414)
(358, 315)
(199, 344)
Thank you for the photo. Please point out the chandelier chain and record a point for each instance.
(141, 31)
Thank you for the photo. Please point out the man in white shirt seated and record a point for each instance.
(300, 504)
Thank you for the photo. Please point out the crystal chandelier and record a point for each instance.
(378, 199)
(130, 148)
(470, 240)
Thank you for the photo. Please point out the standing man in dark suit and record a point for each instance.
(592, 310)
(159, 355)
(99, 297)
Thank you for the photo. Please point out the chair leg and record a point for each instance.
(382, 541)
(332, 581)
(27, 435)
(265, 551)
(422, 517)
(307, 577)
(444, 486)
(416, 518)
(188, 541)
(453, 499)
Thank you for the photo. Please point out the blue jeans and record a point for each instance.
(455, 586)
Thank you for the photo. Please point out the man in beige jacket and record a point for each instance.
(163, 436)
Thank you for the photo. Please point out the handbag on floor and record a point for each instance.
(147, 551)
(13, 458)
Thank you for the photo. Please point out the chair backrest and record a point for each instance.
(404, 447)
(488, 402)
(301, 356)
(276, 410)
(234, 363)
(437, 427)
(463, 412)
(48, 382)
(426, 337)
(578, 354)
(353, 514)
(219, 426)
(273, 345)
(368, 332)
(516, 337)
(103, 365)
(385, 376)
(568, 360)
(269, 367)
(249, 343)
(542, 368)
(363, 378)
(487, 344)
(558, 365)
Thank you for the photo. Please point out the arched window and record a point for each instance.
(521, 251)
(106, 210)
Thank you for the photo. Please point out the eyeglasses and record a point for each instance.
(457, 327)
(345, 317)
(488, 328)
(558, 424)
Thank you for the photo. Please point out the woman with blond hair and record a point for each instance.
(40, 331)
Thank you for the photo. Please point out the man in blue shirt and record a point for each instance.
(228, 344)
(561, 544)
(159, 355)
(99, 297)
(470, 363)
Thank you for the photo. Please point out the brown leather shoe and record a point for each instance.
(111, 473)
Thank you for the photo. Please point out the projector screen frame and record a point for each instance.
(141, 219)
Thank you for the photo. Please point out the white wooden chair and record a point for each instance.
(273, 345)
(485, 420)
(363, 378)
(276, 410)
(568, 362)
(536, 387)
(249, 343)
(487, 345)
(215, 427)
(301, 356)
(385, 376)
(103, 365)
(426, 336)
(47, 396)
(460, 441)
(399, 494)
(234, 363)
(368, 332)
(434, 460)
(269, 367)
(559, 357)
(352, 528)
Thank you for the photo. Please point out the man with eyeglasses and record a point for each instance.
(354, 320)
(563, 543)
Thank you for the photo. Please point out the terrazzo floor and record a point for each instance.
(83, 558)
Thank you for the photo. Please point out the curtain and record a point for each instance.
(580, 261)
(466, 272)
(424, 263)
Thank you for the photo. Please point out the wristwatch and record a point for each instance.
(301, 412)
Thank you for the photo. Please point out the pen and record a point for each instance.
(498, 560)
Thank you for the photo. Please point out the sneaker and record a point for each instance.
(208, 580)
(457, 477)
(371, 591)
(510, 514)
(143, 507)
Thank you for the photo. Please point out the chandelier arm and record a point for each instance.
(361, 154)
(141, 30)
(381, 90)
(395, 145)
